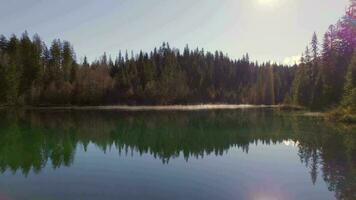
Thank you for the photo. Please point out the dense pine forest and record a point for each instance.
(36, 75)
(32, 73)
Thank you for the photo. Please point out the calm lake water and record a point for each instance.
(242, 154)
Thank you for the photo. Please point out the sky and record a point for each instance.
(269, 30)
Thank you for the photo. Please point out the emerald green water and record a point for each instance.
(226, 154)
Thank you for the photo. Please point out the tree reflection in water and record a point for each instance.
(31, 140)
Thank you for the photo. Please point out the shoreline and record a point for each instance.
(153, 108)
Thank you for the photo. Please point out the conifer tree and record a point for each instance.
(67, 60)
(349, 98)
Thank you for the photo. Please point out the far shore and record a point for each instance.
(153, 108)
(192, 107)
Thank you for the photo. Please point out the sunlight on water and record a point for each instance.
(290, 143)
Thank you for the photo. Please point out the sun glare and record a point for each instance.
(268, 2)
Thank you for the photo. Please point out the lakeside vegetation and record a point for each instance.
(33, 74)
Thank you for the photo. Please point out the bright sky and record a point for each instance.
(276, 30)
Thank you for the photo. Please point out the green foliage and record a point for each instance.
(302, 83)
(320, 78)
(349, 98)
(342, 114)
(165, 76)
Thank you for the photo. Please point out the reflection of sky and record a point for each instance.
(268, 171)
(267, 29)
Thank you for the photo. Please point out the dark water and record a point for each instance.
(243, 154)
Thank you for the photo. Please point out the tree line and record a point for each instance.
(326, 76)
(32, 73)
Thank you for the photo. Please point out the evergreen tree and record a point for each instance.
(315, 48)
(85, 62)
(315, 75)
(55, 62)
(349, 98)
(67, 60)
(269, 98)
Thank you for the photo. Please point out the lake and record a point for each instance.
(217, 154)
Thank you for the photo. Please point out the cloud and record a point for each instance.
(292, 60)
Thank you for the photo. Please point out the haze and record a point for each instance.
(275, 30)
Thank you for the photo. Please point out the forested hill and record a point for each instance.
(33, 74)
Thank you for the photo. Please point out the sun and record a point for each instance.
(268, 2)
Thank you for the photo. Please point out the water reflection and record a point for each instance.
(33, 140)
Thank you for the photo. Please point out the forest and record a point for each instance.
(32, 73)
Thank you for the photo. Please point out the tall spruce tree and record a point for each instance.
(349, 98)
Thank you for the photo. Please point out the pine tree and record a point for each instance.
(315, 48)
(269, 86)
(328, 70)
(303, 81)
(55, 62)
(67, 60)
(13, 71)
(3, 44)
(316, 78)
(3, 76)
(349, 98)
